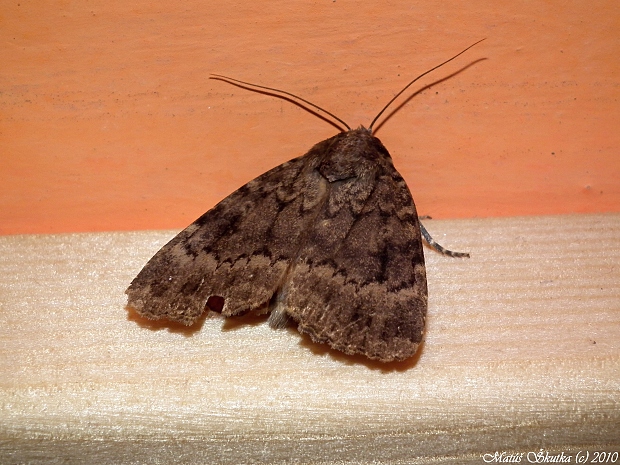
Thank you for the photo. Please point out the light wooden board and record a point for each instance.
(522, 353)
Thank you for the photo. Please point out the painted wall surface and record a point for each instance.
(108, 120)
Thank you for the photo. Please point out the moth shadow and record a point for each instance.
(171, 326)
(255, 319)
(233, 323)
(321, 349)
(324, 350)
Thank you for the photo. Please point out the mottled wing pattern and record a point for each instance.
(239, 250)
(330, 239)
(359, 282)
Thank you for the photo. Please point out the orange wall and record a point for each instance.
(108, 120)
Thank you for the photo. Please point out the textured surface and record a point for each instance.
(522, 352)
(331, 239)
(108, 120)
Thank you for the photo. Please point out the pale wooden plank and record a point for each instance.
(522, 352)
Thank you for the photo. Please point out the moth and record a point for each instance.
(330, 240)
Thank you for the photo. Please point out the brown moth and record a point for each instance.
(330, 240)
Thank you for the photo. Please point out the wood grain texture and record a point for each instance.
(522, 352)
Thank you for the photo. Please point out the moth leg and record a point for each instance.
(430, 241)
(278, 319)
(278, 316)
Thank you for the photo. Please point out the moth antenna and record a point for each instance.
(226, 78)
(421, 75)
